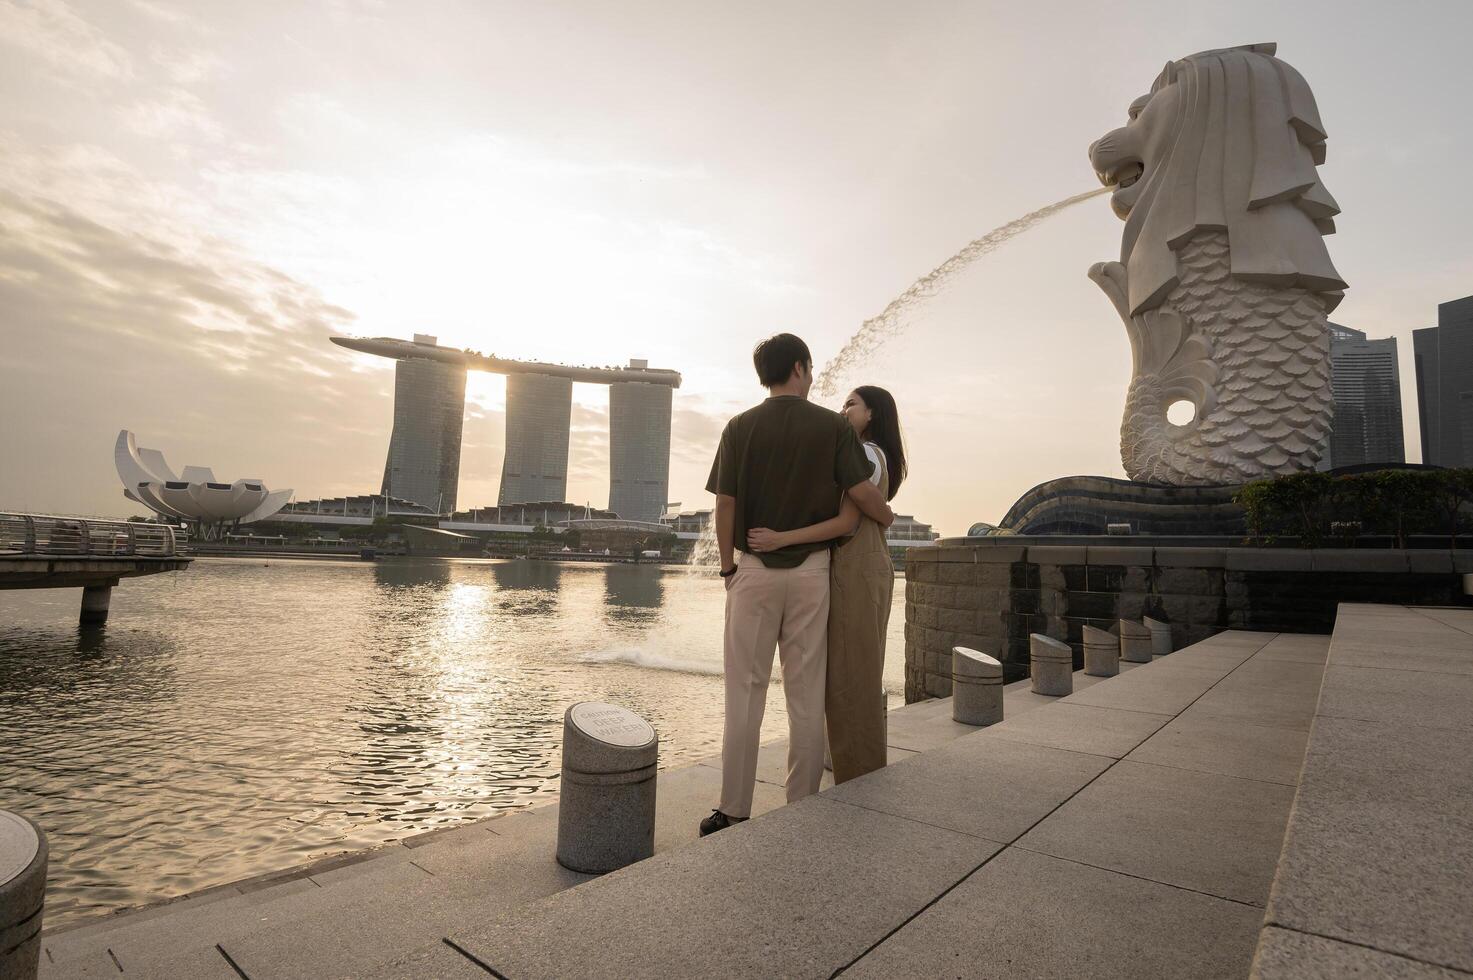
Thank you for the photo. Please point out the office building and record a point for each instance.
(1366, 379)
(1444, 367)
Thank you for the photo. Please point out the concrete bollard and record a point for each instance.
(1160, 636)
(828, 755)
(976, 687)
(1052, 665)
(1135, 642)
(23, 855)
(606, 810)
(1101, 652)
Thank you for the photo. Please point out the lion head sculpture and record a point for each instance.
(1228, 140)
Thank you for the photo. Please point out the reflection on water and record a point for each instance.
(248, 715)
(632, 594)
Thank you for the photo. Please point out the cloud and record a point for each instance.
(212, 357)
(53, 32)
(177, 115)
(186, 67)
(164, 13)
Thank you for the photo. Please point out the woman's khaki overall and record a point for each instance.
(862, 581)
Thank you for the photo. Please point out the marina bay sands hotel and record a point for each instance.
(429, 409)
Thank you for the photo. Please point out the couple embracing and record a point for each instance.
(803, 494)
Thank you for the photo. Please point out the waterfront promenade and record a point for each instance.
(1134, 828)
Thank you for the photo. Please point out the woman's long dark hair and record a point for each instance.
(884, 431)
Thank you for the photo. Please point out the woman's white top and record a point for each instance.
(877, 460)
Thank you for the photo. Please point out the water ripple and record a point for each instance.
(243, 717)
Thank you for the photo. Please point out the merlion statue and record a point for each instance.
(1224, 282)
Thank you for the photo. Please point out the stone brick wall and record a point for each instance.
(991, 594)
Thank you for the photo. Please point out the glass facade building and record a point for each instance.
(1366, 379)
(639, 449)
(539, 415)
(423, 464)
(1444, 367)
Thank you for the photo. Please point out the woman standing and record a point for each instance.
(862, 582)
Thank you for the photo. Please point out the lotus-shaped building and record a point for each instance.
(194, 495)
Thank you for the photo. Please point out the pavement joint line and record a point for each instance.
(474, 958)
(1126, 874)
(1375, 949)
(233, 965)
(424, 869)
(1440, 622)
(1226, 775)
(910, 918)
(1109, 707)
(1400, 668)
(1382, 722)
(920, 823)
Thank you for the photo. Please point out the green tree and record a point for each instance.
(1452, 495)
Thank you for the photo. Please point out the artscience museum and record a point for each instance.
(194, 495)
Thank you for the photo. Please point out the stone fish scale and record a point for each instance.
(1274, 404)
(1272, 348)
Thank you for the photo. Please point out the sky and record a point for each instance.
(195, 196)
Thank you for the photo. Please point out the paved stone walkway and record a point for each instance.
(1131, 830)
(1376, 875)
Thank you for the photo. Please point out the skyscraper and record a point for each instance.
(1444, 361)
(1365, 377)
(423, 464)
(639, 448)
(539, 410)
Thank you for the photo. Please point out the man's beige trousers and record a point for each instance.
(786, 609)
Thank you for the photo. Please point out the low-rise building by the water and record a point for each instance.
(366, 505)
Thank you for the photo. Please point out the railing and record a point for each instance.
(39, 534)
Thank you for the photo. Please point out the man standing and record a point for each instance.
(783, 464)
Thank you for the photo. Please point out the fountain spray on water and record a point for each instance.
(665, 652)
(875, 331)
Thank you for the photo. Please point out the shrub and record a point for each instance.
(1288, 505)
(1394, 502)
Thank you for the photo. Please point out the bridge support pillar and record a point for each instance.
(95, 601)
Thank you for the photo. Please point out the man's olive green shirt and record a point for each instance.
(787, 462)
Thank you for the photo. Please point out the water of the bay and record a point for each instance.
(247, 715)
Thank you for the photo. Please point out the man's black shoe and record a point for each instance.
(718, 821)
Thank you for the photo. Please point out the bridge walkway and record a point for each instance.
(44, 551)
